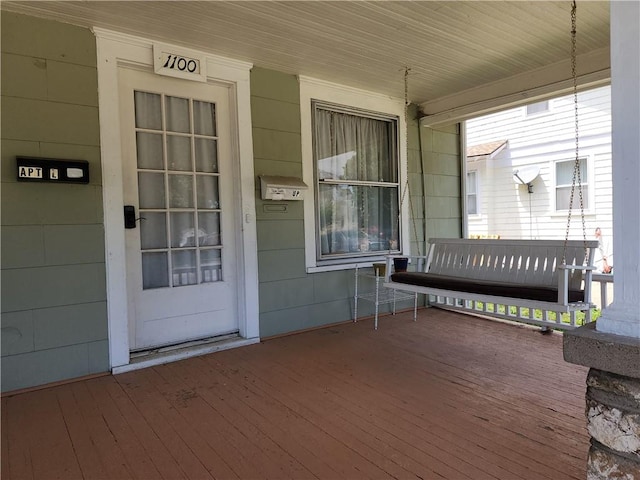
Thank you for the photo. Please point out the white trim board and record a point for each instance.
(113, 51)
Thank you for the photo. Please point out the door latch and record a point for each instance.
(130, 216)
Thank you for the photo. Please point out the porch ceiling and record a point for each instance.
(460, 53)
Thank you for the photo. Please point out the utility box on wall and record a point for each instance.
(281, 188)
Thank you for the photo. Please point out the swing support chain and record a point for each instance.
(577, 175)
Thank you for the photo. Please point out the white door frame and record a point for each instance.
(113, 51)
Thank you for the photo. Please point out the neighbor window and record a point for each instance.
(538, 107)
(472, 193)
(564, 180)
(356, 180)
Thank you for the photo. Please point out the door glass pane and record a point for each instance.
(204, 118)
(207, 189)
(206, 155)
(179, 153)
(180, 191)
(155, 270)
(148, 111)
(149, 150)
(208, 229)
(153, 230)
(177, 111)
(175, 148)
(151, 190)
(210, 265)
(182, 230)
(184, 269)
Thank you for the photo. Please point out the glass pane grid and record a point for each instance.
(182, 245)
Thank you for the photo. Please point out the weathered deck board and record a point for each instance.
(449, 396)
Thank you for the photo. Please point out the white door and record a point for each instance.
(178, 175)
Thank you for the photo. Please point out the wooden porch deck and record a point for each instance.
(449, 396)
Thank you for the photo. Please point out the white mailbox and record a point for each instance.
(281, 188)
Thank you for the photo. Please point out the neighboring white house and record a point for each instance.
(520, 165)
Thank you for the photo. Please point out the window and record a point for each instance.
(356, 178)
(353, 201)
(564, 180)
(538, 107)
(472, 193)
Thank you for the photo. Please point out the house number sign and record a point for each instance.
(180, 63)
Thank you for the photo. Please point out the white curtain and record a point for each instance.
(355, 218)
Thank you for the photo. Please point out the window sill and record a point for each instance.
(346, 266)
(574, 214)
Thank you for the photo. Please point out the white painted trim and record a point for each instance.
(311, 88)
(478, 213)
(114, 50)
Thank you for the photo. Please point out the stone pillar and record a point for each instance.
(612, 347)
(613, 420)
(613, 400)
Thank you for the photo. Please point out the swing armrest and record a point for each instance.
(563, 282)
(576, 267)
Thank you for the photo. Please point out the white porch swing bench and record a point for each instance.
(520, 280)
(532, 281)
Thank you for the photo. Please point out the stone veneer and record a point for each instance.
(612, 400)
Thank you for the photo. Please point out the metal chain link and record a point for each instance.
(576, 167)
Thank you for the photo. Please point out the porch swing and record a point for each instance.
(539, 282)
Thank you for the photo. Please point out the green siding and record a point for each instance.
(44, 39)
(442, 188)
(416, 179)
(55, 364)
(17, 333)
(276, 145)
(280, 234)
(54, 315)
(291, 299)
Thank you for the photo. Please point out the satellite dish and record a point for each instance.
(526, 175)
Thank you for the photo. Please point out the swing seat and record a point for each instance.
(521, 280)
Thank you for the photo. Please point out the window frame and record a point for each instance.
(392, 120)
(584, 181)
(347, 99)
(546, 111)
(476, 193)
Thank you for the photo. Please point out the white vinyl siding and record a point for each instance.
(506, 208)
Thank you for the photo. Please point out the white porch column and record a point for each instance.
(623, 317)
